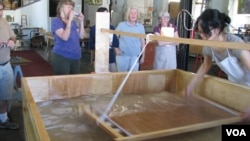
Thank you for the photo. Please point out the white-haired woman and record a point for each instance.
(130, 47)
(165, 52)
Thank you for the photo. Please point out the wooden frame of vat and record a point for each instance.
(217, 90)
(37, 89)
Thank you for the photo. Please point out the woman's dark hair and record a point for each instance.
(102, 9)
(211, 19)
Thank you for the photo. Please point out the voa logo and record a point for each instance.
(236, 132)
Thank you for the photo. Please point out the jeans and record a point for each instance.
(124, 63)
(6, 82)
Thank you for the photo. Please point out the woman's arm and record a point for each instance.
(64, 33)
(176, 35)
(204, 68)
(163, 43)
(143, 53)
(246, 115)
(160, 43)
(81, 31)
(11, 42)
(245, 57)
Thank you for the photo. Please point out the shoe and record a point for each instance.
(10, 117)
(9, 125)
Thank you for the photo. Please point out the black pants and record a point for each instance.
(62, 65)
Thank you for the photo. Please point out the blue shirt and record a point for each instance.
(71, 48)
(131, 46)
(115, 43)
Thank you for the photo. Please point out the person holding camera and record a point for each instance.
(66, 53)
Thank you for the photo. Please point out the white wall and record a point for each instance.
(90, 11)
(37, 14)
(118, 13)
(238, 20)
(230, 7)
(221, 5)
(159, 5)
(105, 3)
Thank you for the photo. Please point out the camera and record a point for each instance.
(76, 14)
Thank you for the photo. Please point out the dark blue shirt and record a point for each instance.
(115, 43)
(71, 48)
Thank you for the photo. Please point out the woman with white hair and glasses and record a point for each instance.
(165, 52)
(130, 47)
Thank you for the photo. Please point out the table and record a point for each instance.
(16, 61)
(19, 37)
(30, 31)
(50, 38)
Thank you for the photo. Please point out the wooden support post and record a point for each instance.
(102, 43)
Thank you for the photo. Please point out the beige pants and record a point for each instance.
(165, 57)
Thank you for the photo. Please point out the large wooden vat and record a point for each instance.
(231, 99)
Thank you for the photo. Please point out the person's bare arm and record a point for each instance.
(204, 68)
(64, 33)
(143, 53)
(81, 29)
(11, 42)
(163, 43)
(245, 57)
(246, 115)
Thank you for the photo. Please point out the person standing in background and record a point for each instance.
(130, 47)
(114, 43)
(165, 52)
(7, 41)
(67, 50)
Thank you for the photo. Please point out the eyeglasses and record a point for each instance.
(205, 34)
